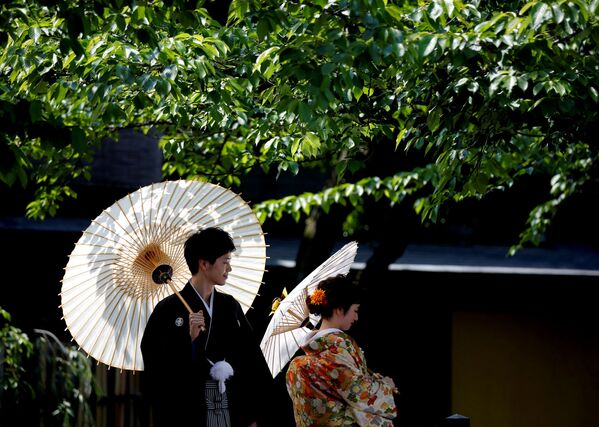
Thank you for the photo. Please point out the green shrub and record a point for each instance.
(42, 381)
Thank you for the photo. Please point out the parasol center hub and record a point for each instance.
(162, 274)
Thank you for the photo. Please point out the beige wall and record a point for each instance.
(517, 370)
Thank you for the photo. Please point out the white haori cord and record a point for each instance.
(221, 371)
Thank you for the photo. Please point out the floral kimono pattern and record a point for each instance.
(331, 386)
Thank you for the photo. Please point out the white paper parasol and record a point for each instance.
(285, 332)
(108, 289)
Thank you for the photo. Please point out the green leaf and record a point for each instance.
(35, 111)
(594, 94)
(123, 73)
(139, 13)
(522, 83)
(527, 6)
(148, 82)
(79, 140)
(558, 13)
(263, 29)
(433, 120)
(163, 87)
(394, 11)
(539, 12)
(400, 136)
(305, 112)
(294, 167)
(538, 88)
(436, 11)
(355, 165)
(328, 68)
(210, 51)
(295, 146)
(265, 55)
(310, 144)
(357, 92)
(170, 72)
(426, 45)
(340, 168)
(34, 33)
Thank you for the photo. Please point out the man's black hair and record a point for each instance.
(207, 244)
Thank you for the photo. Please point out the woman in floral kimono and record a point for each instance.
(330, 385)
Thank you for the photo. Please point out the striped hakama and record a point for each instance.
(217, 406)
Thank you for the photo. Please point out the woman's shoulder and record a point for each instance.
(342, 336)
(339, 339)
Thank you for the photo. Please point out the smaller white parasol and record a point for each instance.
(286, 330)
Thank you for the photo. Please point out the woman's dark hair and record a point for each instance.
(339, 292)
(208, 244)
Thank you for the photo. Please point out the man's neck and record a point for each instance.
(203, 287)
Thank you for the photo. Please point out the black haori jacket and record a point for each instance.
(175, 369)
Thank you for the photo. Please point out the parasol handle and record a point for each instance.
(170, 283)
(162, 274)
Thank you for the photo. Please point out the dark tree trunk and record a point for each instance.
(321, 233)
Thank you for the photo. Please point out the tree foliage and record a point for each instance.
(479, 94)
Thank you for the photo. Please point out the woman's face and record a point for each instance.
(351, 316)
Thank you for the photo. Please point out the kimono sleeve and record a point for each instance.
(368, 397)
(152, 348)
(166, 353)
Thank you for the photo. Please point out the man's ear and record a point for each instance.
(203, 264)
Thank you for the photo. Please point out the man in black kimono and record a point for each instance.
(180, 350)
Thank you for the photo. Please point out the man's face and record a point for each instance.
(218, 272)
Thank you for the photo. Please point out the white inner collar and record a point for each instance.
(206, 304)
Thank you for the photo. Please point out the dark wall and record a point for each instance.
(405, 328)
(33, 263)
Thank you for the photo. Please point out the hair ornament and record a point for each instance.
(318, 297)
